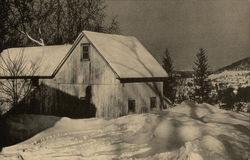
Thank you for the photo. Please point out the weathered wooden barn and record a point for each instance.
(105, 75)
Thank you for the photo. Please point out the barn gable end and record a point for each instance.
(75, 75)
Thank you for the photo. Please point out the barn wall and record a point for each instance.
(141, 93)
(63, 99)
(112, 101)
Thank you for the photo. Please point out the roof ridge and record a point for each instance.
(110, 34)
(38, 46)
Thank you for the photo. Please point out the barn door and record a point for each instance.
(131, 106)
(90, 107)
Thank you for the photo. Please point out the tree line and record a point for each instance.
(51, 22)
(200, 79)
(201, 87)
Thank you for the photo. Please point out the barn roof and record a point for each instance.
(46, 58)
(126, 55)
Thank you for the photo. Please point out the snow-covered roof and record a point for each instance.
(126, 55)
(45, 58)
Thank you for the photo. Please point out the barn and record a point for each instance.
(102, 75)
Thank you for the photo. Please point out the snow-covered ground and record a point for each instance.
(229, 74)
(234, 79)
(185, 132)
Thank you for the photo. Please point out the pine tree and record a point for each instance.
(169, 84)
(201, 82)
(168, 63)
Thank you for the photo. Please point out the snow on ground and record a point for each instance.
(229, 74)
(185, 132)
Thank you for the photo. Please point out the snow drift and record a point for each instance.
(185, 132)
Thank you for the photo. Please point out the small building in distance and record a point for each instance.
(102, 75)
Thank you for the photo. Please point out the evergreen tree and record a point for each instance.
(168, 63)
(201, 82)
(169, 84)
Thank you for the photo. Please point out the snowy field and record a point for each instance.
(185, 132)
(229, 74)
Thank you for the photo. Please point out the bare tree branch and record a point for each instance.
(15, 90)
(41, 42)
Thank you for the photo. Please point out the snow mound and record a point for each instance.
(196, 110)
(185, 132)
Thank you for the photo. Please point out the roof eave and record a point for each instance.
(142, 79)
(26, 77)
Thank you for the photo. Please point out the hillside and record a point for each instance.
(187, 74)
(243, 64)
(234, 75)
(185, 132)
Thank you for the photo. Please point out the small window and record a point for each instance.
(152, 102)
(85, 52)
(131, 105)
(35, 82)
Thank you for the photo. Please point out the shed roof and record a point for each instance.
(46, 58)
(126, 55)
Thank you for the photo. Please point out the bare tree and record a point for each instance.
(13, 86)
(51, 22)
(3, 15)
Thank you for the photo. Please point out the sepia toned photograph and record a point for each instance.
(124, 80)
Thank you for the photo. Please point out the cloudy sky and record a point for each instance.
(183, 26)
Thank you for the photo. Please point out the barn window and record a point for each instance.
(34, 82)
(152, 102)
(131, 105)
(85, 51)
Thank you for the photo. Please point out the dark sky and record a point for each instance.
(183, 26)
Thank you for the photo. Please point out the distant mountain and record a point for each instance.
(187, 74)
(240, 65)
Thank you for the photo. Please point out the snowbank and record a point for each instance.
(185, 132)
(196, 110)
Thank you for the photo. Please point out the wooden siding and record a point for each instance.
(75, 71)
(112, 100)
(141, 93)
